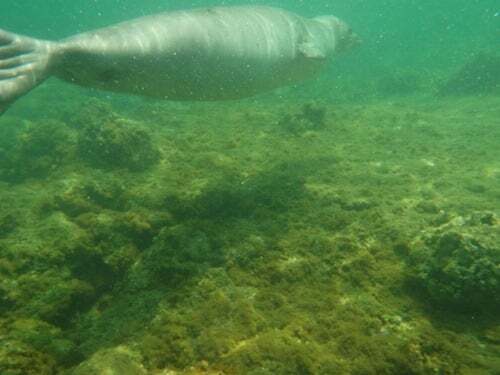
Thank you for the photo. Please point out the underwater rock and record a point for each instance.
(179, 253)
(458, 264)
(480, 75)
(106, 193)
(116, 144)
(92, 196)
(50, 296)
(117, 229)
(18, 358)
(116, 361)
(271, 191)
(39, 149)
(39, 336)
(94, 111)
(80, 197)
(71, 202)
(281, 352)
(310, 117)
(37, 273)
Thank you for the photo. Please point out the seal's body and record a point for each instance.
(202, 54)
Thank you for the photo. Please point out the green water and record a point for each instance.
(346, 225)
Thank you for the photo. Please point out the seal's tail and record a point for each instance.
(24, 63)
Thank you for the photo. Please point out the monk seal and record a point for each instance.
(203, 54)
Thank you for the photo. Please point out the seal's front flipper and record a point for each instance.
(24, 64)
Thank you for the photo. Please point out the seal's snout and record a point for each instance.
(344, 38)
(347, 39)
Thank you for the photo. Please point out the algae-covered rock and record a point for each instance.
(193, 333)
(40, 149)
(116, 361)
(93, 111)
(458, 264)
(116, 143)
(107, 193)
(18, 358)
(280, 352)
(310, 117)
(40, 271)
(90, 196)
(50, 296)
(480, 75)
(266, 193)
(180, 252)
(42, 337)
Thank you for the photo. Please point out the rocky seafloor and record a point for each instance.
(285, 237)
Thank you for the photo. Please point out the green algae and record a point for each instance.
(457, 264)
(7, 224)
(116, 143)
(252, 238)
(116, 361)
(40, 149)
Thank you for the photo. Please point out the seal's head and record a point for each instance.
(345, 39)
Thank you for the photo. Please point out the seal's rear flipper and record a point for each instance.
(24, 63)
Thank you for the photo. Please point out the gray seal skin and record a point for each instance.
(203, 54)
